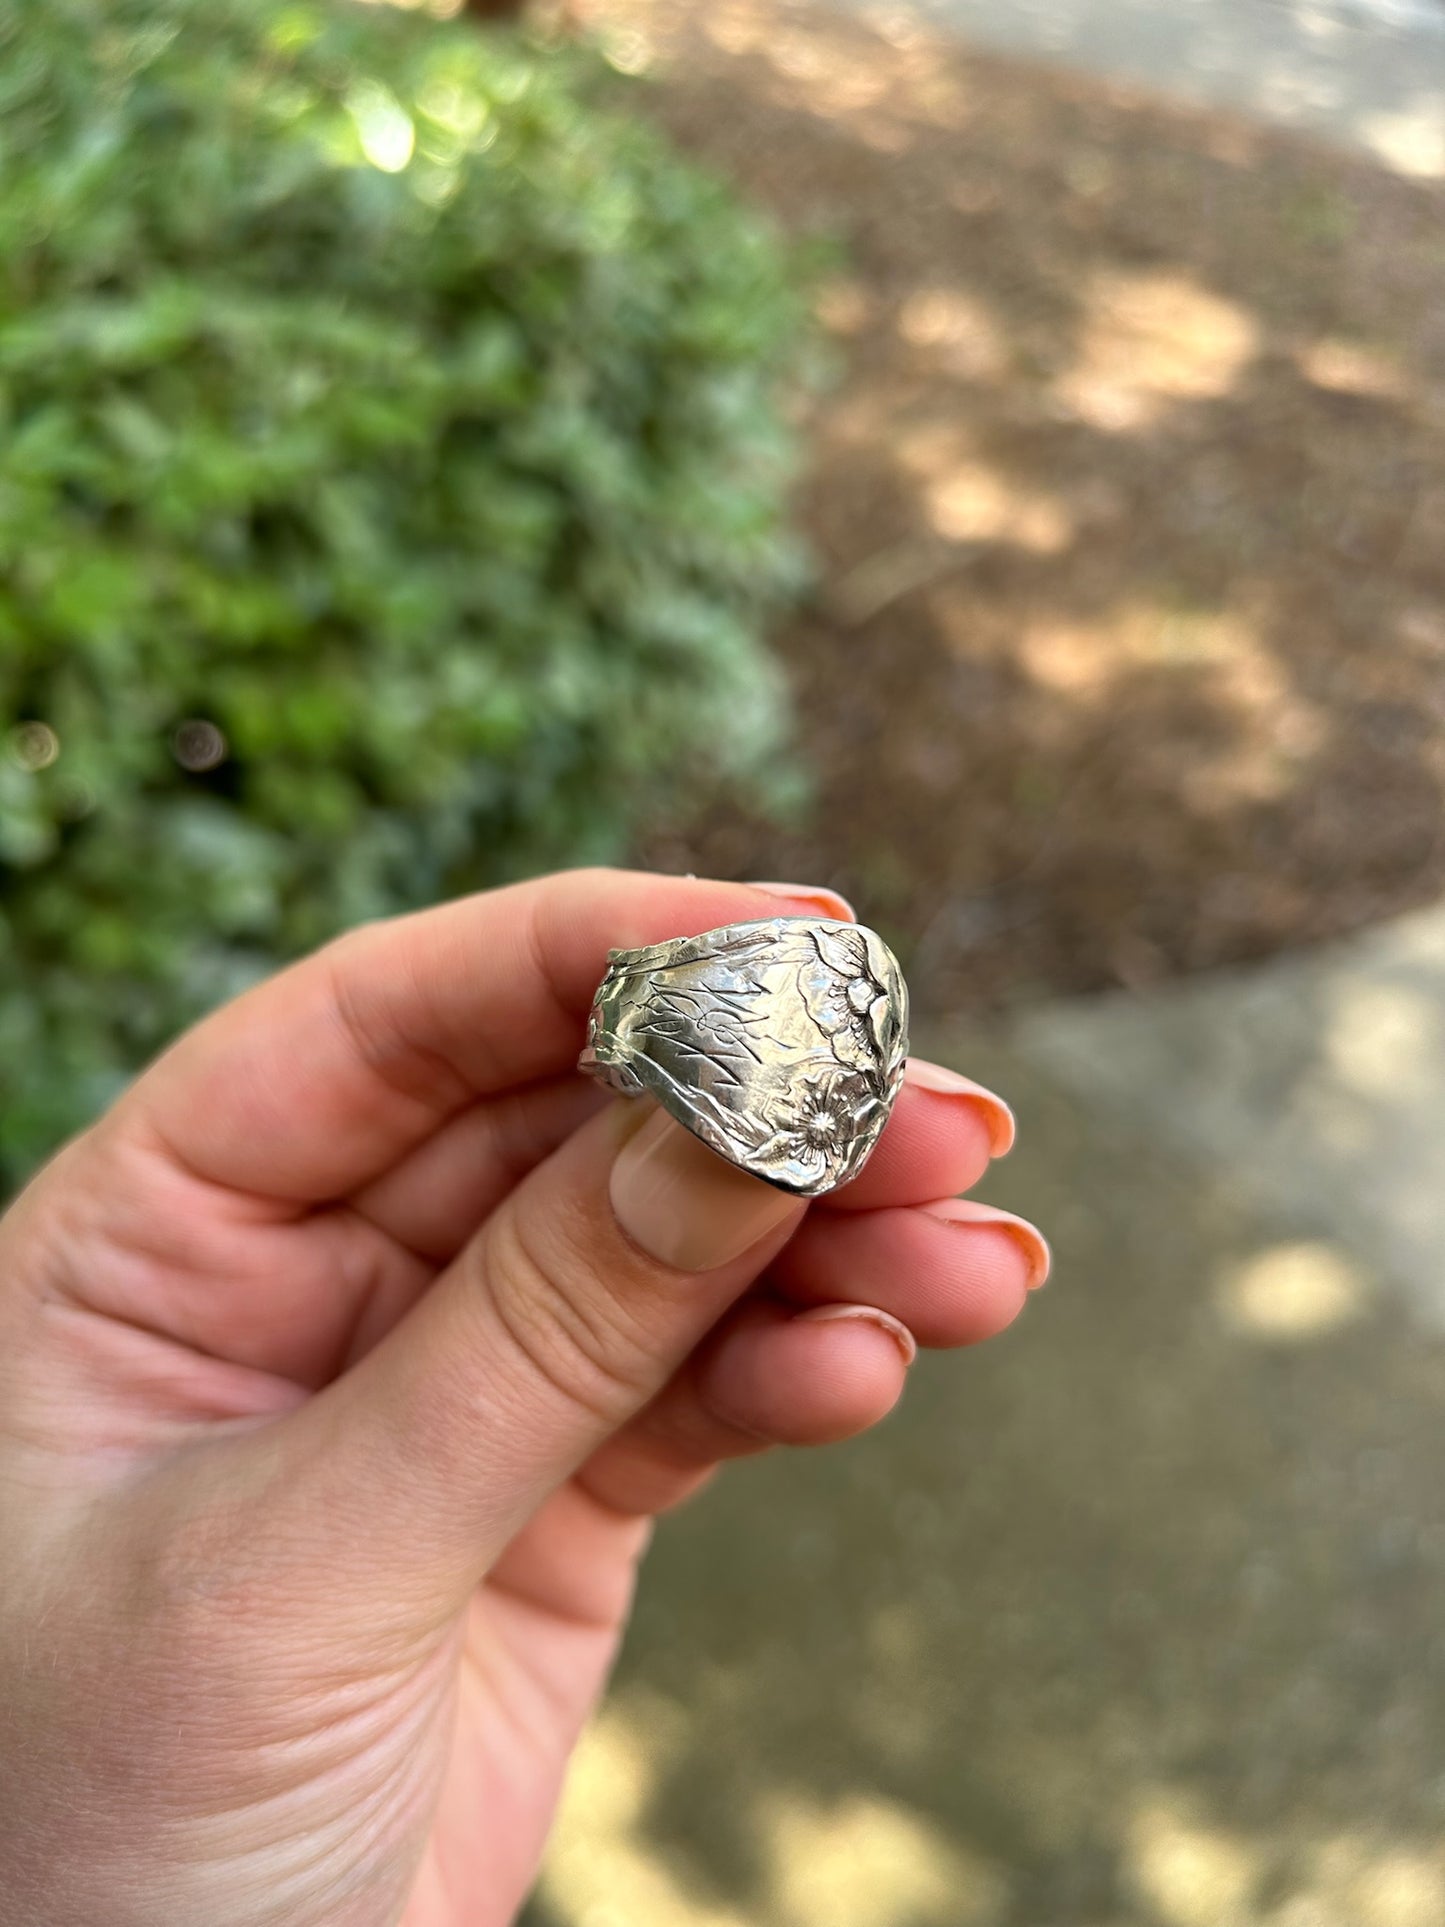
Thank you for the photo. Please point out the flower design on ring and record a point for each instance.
(818, 1122)
(844, 998)
(822, 1112)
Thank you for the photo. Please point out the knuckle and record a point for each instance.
(361, 985)
(597, 876)
(568, 1328)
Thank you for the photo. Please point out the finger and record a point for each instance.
(317, 1295)
(146, 1247)
(318, 1080)
(308, 1299)
(770, 1376)
(939, 1140)
(954, 1272)
(434, 1199)
(579, 1298)
(576, 1559)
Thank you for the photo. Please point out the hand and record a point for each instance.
(342, 1366)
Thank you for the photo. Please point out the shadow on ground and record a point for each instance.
(1129, 1620)
(1128, 507)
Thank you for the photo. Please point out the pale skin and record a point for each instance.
(344, 1365)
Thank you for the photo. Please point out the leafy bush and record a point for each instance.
(390, 488)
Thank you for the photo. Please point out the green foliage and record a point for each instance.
(377, 392)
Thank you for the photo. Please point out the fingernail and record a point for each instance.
(827, 902)
(995, 1113)
(1031, 1240)
(686, 1206)
(870, 1314)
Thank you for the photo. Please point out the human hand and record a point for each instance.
(342, 1366)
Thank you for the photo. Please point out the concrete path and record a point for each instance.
(1370, 73)
(1132, 1618)
(1319, 1082)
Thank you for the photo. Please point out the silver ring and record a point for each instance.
(781, 1043)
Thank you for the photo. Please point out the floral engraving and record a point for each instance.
(780, 1043)
(814, 1122)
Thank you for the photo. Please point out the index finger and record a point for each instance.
(322, 1077)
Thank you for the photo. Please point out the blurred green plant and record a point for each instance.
(392, 474)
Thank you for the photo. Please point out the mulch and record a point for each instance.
(1126, 656)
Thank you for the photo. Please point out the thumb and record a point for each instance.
(570, 1309)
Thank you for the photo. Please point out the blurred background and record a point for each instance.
(985, 456)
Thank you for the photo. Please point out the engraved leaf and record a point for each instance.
(843, 951)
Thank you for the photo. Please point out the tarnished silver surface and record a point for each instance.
(780, 1043)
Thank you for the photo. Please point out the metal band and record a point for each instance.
(781, 1043)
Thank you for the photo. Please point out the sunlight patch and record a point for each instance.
(1292, 1291)
(868, 1862)
(1150, 340)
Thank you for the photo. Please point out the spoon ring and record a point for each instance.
(780, 1043)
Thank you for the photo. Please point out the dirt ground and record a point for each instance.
(1127, 653)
